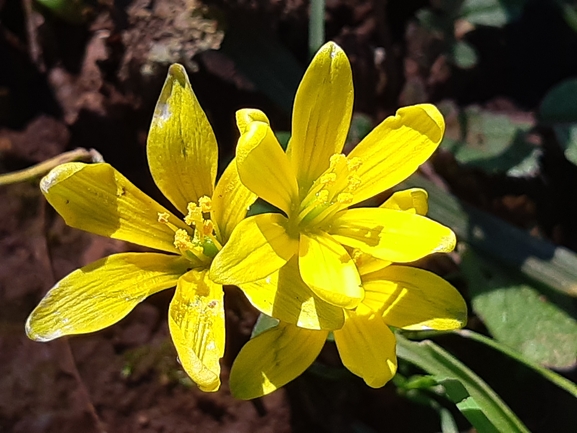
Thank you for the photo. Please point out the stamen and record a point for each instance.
(188, 248)
(345, 198)
(182, 242)
(353, 164)
(328, 179)
(332, 191)
(205, 204)
(194, 216)
(205, 233)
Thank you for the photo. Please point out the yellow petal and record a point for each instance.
(328, 269)
(321, 114)
(102, 293)
(391, 235)
(367, 263)
(258, 246)
(414, 299)
(230, 202)
(196, 323)
(274, 358)
(181, 148)
(367, 348)
(396, 148)
(98, 199)
(264, 168)
(413, 200)
(245, 116)
(285, 296)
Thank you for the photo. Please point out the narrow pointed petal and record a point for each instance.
(264, 168)
(230, 202)
(100, 294)
(181, 147)
(367, 348)
(414, 299)
(196, 323)
(328, 269)
(321, 114)
(98, 199)
(391, 235)
(285, 296)
(245, 116)
(274, 358)
(396, 148)
(413, 200)
(259, 246)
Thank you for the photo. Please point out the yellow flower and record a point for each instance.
(182, 156)
(395, 295)
(314, 184)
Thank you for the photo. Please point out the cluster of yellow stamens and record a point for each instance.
(331, 192)
(199, 244)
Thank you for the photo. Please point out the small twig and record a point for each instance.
(32, 33)
(44, 167)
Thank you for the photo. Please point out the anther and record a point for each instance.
(345, 198)
(205, 204)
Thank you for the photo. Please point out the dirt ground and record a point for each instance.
(93, 84)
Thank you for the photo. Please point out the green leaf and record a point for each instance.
(492, 142)
(569, 13)
(560, 104)
(519, 315)
(495, 13)
(567, 139)
(555, 378)
(473, 397)
(263, 323)
(71, 11)
(464, 55)
(424, 390)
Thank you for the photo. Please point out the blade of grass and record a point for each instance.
(474, 398)
(557, 379)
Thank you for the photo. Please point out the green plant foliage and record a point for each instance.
(464, 55)
(559, 105)
(519, 315)
(553, 266)
(559, 111)
(567, 139)
(550, 375)
(569, 13)
(492, 142)
(472, 396)
(71, 11)
(425, 391)
(495, 13)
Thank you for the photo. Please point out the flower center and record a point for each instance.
(200, 244)
(331, 192)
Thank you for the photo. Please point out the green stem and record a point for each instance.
(557, 379)
(316, 26)
(45, 166)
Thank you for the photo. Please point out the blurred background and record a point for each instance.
(77, 73)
